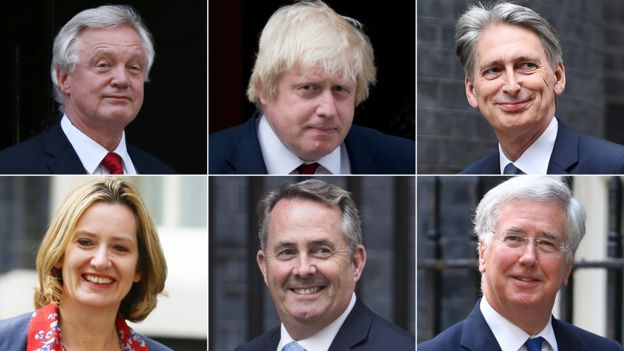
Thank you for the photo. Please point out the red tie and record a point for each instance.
(112, 162)
(308, 168)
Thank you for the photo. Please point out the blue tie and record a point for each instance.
(534, 344)
(293, 346)
(511, 169)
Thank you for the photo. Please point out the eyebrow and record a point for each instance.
(312, 243)
(515, 60)
(546, 234)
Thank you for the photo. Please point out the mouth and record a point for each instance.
(98, 280)
(307, 291)
(522, 280)
(117, 98)
(513, 106)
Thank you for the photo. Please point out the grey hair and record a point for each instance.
(318, 191)
(535, 189)
(64, 58)
(479, 17)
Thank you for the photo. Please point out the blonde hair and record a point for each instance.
(308, 34)
(142, 297)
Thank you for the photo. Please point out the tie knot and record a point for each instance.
(293, 346)
(511, 169)
(308, 168)
(113, 163)
(534, 344)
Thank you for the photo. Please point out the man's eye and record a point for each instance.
(285, 253)
(527, 66)
(323, 252)
(491, 72)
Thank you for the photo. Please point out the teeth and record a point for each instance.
(97, 280)
(306, 291)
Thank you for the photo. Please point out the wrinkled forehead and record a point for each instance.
(123, 37)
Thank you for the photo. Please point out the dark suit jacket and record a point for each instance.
(14, 335)
(474, 334)
(237, 150)
(573, 153)
(51, 153)
(362, 330)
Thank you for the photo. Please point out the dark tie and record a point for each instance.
(293, 346)
(112, 162)
(308, 168)
(534, 344)
(511, 169)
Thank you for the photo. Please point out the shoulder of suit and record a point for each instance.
(586, 337)
(261, 342)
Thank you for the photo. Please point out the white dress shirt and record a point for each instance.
(91, 153)
(278, 159)
(509, 336)
(534, 160)
(321, 340)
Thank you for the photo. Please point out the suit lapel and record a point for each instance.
(565, 339)
(354, 330)
(565, 152)
(246, 155)
(361, 155)
(476, 334)
(62, 156)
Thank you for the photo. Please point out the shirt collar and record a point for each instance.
(534, 160)
(91, 153)
(278, 159)
(509, 336)
(322, 340)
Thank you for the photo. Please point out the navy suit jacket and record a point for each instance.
(51, 153)
(362, 330)
(573, 153)
(237, 150)
(14, 335)
(473, 334)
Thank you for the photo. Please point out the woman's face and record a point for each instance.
(100, 263)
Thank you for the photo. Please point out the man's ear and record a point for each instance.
(64, 81)
(482, 253)
(560, 79)
(470, 93)
(261, 259)
(359, 261)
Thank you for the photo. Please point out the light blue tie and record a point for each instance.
(293, 346)
(534, 344)
(511, 169)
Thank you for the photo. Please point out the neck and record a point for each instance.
(530, 318)
(516, 142)
(88, 328)
(106, 134)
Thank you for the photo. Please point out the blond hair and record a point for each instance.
(311, 34)
(142, 297)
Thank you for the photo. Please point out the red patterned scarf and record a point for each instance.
(44, 332)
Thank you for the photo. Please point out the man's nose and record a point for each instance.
(305, 266)
(120, 77)
(327, 104)
(512, 86)
(529, 253)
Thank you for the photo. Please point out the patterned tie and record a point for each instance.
(308, 168)
(534, 344)
(293, 346)
(112, 162)
(511, 169)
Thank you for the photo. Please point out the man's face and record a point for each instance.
(307, 264)
(514, 86)
(106, 89)
(311, 112)
(524, 277)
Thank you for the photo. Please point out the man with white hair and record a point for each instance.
(101, 59)
(529, 229)
(313, 68)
